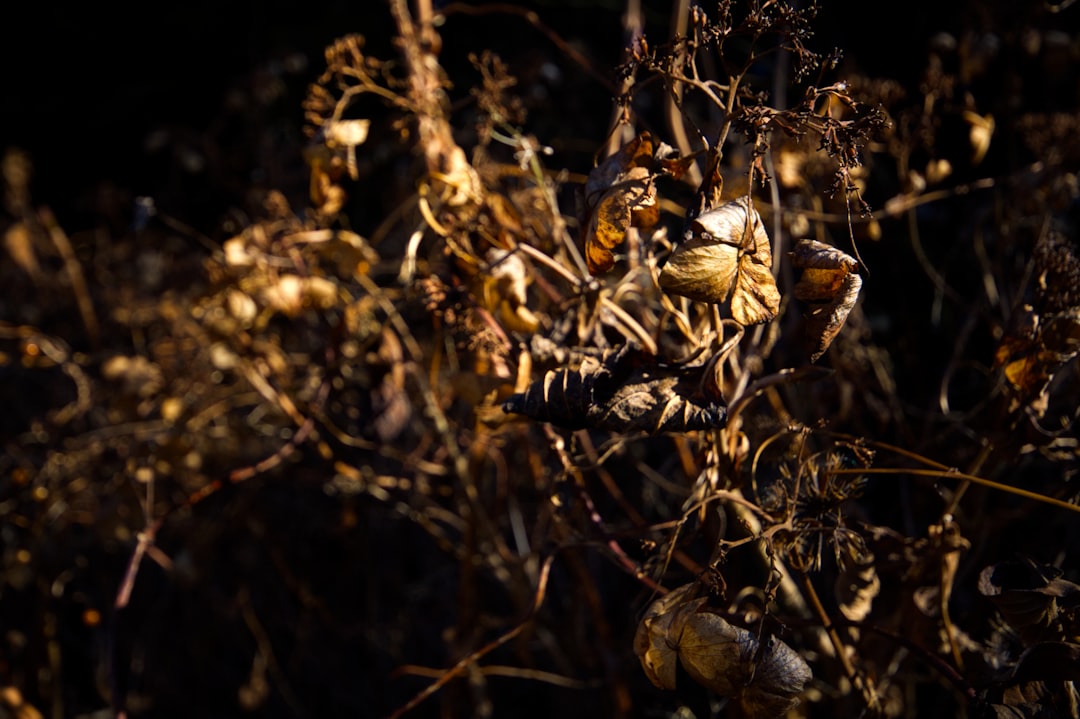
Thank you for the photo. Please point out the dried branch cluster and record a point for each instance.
(491, 388)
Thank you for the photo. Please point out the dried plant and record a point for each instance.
(627, 431)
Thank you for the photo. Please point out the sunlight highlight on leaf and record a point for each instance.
(831, 284)
(726, 253)
(619, 194)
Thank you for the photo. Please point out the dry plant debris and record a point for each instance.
(553, 432)
(625, 392)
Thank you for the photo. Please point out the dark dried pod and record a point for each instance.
(626, 391)
(764, 676)
(1057, 268)
(562, 396)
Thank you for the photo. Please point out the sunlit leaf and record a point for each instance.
(619, 194)
(291, 294)
(347, 133)
(1037, 346)
(713, 652)
(726, 253)
(656, 639)
(830, 283)
(1044, 334)
(503, 289)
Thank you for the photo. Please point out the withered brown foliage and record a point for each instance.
(758, 400)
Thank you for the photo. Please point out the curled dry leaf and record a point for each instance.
(625, 391)
(764, 678)
(1045, 334)
(241, 307)
(830, 283)
(619, 194)
(237, 252)
(726, 253)
(980, 131)
(504, 291)
(1036, 347)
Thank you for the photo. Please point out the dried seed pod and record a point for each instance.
(726, 253)
(830, 283)
(626, 391)
(764, 678)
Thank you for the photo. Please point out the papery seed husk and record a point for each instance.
(726, 253)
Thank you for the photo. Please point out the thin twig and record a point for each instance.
(857, 679)
(496, 670)
(473, 657)
(949, 474)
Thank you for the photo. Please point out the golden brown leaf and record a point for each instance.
(726, 253)
(619, 194)
(326, 170)
(1044, 333)
(503, 288)
(1037, 346)
(12, 701)
(667, 159)
(347, 134)
(981, 130)
(830, 283)
(291, 294)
